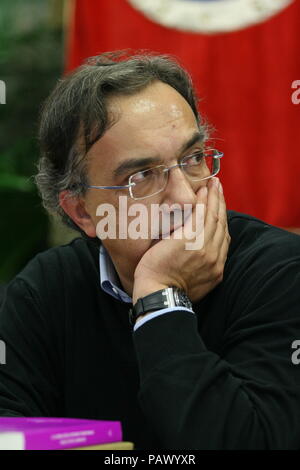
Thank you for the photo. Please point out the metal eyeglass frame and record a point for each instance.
(167, 169)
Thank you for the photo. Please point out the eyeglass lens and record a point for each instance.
(197, 167)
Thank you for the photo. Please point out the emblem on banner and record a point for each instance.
(209, 16)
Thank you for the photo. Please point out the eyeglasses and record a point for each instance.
(199, 166)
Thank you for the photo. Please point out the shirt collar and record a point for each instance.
(109, 280)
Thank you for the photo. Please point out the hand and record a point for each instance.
(198, 271)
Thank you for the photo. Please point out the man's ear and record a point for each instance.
(74, 207)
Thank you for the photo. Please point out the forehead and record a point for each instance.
(154, 120)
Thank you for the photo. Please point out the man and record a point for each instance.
(204, 360)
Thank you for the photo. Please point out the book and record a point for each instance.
(122, 445)
(56, 433)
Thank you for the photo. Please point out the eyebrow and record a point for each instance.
(137, 163)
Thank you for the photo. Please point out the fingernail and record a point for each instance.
(220, 188)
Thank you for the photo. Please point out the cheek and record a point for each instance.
(91, 202)
(131, 220)
(97, 203)
(133, 216)
(126, 252)
(196, 185)
(121, 222)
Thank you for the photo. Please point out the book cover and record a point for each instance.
(56, 433)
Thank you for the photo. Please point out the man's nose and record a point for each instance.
(179, 189)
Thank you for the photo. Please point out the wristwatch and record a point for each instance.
(164, 298)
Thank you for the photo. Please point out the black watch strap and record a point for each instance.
(164, 298)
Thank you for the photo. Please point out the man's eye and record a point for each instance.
(139, 177)
(142, 176)
(194, 159)
(134, 177)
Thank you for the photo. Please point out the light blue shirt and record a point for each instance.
(111, 285)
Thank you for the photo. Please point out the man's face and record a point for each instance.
(155, 123)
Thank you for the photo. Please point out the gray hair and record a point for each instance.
(75, 116)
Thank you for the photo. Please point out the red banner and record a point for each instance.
(244, 79)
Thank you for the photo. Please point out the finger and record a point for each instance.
(222, 226)
(224, 248)
(194, 223)
(223, 254)
(212, 214)
(202, 194)
(202, 222)
(222, 208)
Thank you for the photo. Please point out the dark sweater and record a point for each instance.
(220, 379)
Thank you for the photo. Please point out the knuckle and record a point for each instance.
(227, 236)
(219, 273)
(211, 259)
(215, 217)
(202, 254)
(224, 224)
